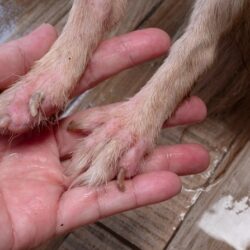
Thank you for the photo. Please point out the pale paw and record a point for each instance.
(114, 146)
(34, 98)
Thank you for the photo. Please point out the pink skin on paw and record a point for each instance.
(19, 98)
(114, 149)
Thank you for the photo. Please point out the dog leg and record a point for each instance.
(48, 86)
(120, 135)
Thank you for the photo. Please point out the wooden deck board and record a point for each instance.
(92, 237)
(171, 224)
(220, 219)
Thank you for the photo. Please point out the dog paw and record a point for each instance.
(40, 93)
(114, 145)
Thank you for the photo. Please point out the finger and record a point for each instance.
(192, 110)
(183, 159)
(123, 52)
(17, 57)
(83, 205)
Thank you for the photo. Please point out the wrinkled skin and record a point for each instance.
(35, 204)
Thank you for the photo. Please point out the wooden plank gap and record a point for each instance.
(234, 149)
(150, 13)
(61, 17)
(117, 236)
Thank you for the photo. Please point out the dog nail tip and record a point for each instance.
(35, 103)
(4, 121)
(121, 180)
(73, 127)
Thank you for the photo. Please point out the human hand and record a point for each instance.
(35, 204)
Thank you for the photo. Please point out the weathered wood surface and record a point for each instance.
(221, 217)
(93, 237)
(171, 224)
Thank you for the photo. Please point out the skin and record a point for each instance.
(35, 204)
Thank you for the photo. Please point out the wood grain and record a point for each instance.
(92, 237)
(227, 205)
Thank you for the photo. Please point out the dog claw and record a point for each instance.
(73, 127)
(121, 179)
(4, 121)
(35, 103)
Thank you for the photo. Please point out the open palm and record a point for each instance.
(35, 204)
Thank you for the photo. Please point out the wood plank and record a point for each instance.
(22, 16)
(27, 15)
(52, 244)
(92, 237)
(221, 217)
(47, 11)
